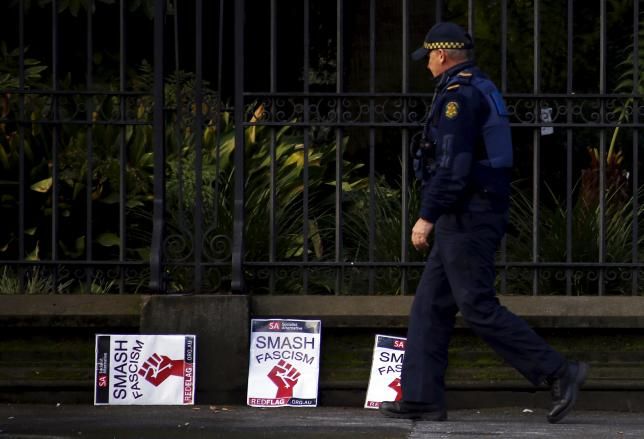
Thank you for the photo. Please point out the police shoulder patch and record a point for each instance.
(451, 109)
(453, 86)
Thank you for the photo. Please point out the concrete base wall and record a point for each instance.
(46, 349)
(221, 324)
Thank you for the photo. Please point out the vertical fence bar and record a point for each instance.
(504, 89)
(220, 76)
(178, 125)
(504, 46)
(569, 145)
(372, 142)
(602, 145)
(54, 132)
(237, 283)
(272, 224)
(158, 214)
(218, 116)
(635, 197)
(21, 132)
(439, 10)
(536, 168)
(470, 17)
(305, 172)
(339, 136)
(89, 109)
(404, 153)
(122, 147)
(198, 130)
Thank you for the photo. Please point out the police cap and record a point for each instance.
(444, 35)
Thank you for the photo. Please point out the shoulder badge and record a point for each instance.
(465, 74)
(453, 86)
(451, 109)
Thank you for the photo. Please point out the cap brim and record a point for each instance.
(419, 54)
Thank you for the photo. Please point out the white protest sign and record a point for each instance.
(284, 363)
(384, 381)
(144, 369)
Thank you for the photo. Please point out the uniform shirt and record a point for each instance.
(455, 126)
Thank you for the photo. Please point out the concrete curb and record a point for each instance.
(335, 311)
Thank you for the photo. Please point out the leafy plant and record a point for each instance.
(217, 188)
(585, 237)
(75, 6)
(388, 210)
(618, 213)
(36, 281)
(9, 283)
(616, 177)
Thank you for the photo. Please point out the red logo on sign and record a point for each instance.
(285, 377)
(158, 368)
(395, 385)
(102, 380)
(399, 344)
(275, 326)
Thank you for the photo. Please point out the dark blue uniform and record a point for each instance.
(465, 192)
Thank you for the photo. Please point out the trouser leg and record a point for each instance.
(431, 322)
(468, 245)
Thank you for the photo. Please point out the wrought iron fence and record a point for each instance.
(262, 146)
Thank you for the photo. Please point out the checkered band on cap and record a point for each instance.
(443, 45)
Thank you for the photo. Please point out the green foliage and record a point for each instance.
(73, 165)
(552, 41)
(97, 179)
(625, 84)
(74, 7)
(9, 284)
(619, 217)
(10, 66)
(586, 218)
(388, 211)
(37, 281)
(217, 187)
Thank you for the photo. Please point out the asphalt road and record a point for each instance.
(233, 422)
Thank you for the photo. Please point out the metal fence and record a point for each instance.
(263, 145)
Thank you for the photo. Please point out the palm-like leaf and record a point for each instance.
(619, 218)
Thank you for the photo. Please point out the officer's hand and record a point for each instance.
(420, 233)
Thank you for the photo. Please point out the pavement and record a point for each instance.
(61, 421)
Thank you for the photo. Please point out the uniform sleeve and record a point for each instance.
(457, 130)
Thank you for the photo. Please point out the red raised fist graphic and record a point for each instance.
(285, 377)
(395, 384)
(158, 368)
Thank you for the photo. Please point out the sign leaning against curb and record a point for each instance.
(144, 369)
(284, 363)
(384, 380)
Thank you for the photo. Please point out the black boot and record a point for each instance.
(413, 410)
(565, 389)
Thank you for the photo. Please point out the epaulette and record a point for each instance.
(463, 77)
(453, 86)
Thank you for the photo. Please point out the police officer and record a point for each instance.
(464, 161)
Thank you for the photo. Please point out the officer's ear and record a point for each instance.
(442, 55)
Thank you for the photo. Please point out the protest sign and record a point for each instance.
(384, 381)
(144, 369)
(284, 363)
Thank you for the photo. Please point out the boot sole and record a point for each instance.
(580, 379)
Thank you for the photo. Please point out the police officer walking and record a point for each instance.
(464, 161)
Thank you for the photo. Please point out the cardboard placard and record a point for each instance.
(384, 380)
(284, 363)
(144, 369)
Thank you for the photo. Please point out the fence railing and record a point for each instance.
(262, 146)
